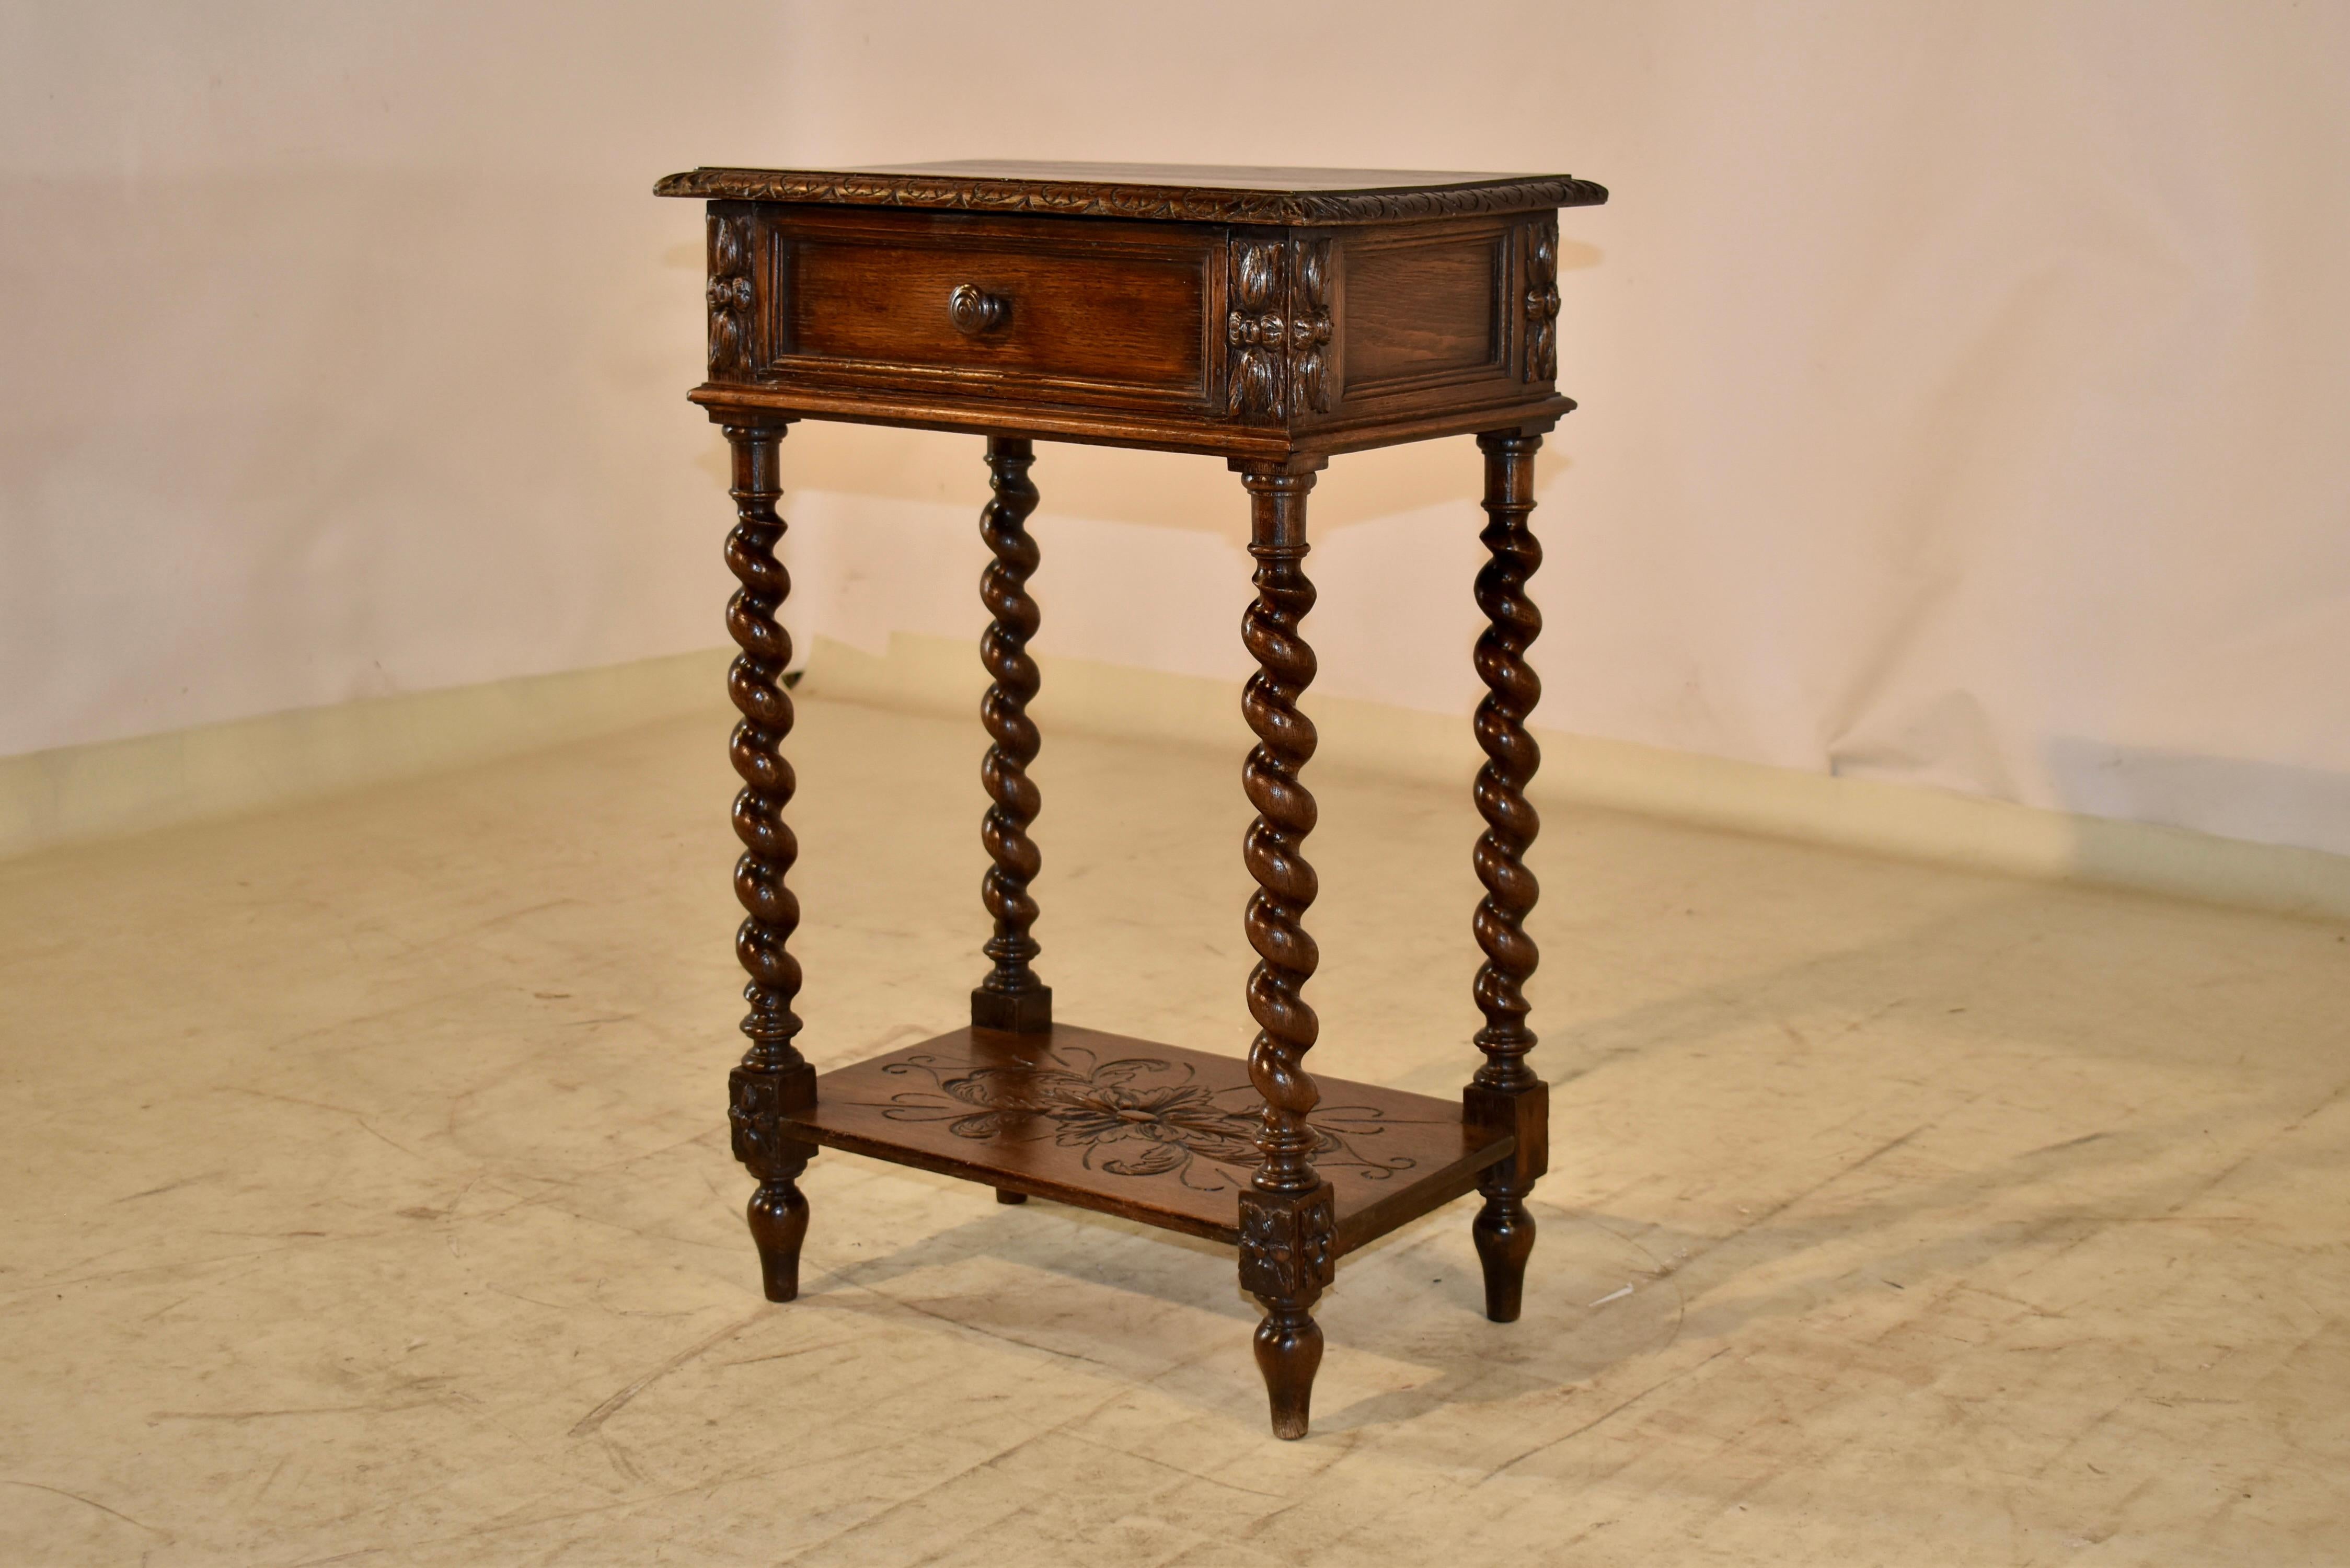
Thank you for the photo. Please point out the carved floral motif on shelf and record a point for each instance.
(1136, 1116)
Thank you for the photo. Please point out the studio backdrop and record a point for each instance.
(1964, 386)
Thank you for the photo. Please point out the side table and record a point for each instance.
(1269, 316)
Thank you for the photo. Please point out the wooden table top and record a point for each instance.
(1184, 192)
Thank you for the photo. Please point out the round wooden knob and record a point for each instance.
(973, 310)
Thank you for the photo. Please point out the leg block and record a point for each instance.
(1028, 1012)
(1288, 1257)
(1505, 1229)
(757, 1100)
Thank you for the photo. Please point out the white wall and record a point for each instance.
(1964, 385)
(343, 347)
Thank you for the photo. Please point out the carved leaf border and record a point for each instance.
(1086, 199)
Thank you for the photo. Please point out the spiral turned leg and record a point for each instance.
(1505, 1094)
(772, 1081)
(1010, 997)
(1288, 1242)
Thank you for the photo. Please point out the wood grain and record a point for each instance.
(1012, 996)
(1422, 310)
(1069, 312)
(1272, 316)
(1153, 1132)
(1183, 193)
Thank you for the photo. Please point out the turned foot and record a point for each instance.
(1288, 1249)
(1005, 1195)
(1504, 1234)
(779, 1221)
(1289, 1352)
(1505, 1096)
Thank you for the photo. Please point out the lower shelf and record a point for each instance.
(1154, 1133)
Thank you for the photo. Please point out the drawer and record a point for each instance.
(1027, 308)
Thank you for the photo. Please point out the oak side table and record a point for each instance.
(1268, 316)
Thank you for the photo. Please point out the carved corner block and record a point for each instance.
(1288, 1243)
(1279, 329)
(1027, 1012)
(1541, 301)
(1310, 329)
(1522, 1113)
(1256, 331)
(758, 1099)
(732, 294)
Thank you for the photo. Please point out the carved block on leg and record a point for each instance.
(1505, 1229)
(757, 1101)
(1027, 1012)
(1288, 1257)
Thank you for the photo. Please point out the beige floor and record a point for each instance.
(368, 1199)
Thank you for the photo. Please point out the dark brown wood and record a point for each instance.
(1046, 310)
(1277, 312)
(1288, 1257)
(1010, 997)
(1505, 1094)
(772, 1081)
(1287, 1220)
(1269, 316)
(1150, 1132)
(1421, 304)
(1541, 299)
(1183, 193)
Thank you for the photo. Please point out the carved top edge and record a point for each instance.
(1174, 192)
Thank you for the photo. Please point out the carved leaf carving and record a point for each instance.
(1309, 326)
(1288, 1248)
(1110, 200)
(1255, 330)
(1542, 301)
(731, 294)
(1133, 1116)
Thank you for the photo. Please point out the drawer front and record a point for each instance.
(1033, 309)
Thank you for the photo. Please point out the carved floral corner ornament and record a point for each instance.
(1542, 302)
(730, 293)
(756, 1101)
(1136, 1116)
(1288, 1244)
(1281, 348)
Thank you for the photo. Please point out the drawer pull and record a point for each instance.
(973, 310)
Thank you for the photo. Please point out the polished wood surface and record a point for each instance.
(995, 306)
(772, 1079)
(1288, 1216)
(1505, 1094)
(1012, 996)
(1151, 1132)
(1271, 317)
(1254, 314)
(1184, 192)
